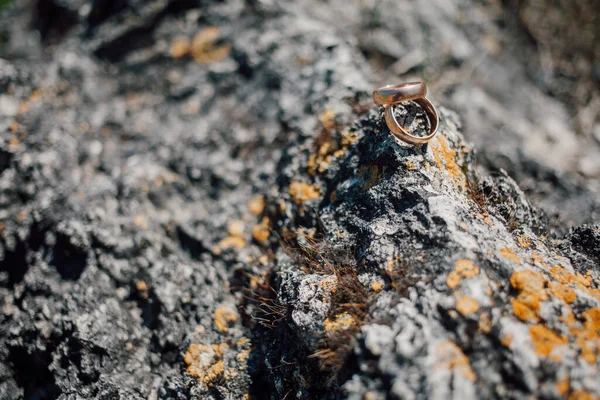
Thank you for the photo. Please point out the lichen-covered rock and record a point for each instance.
(475, 300)
(199, 200)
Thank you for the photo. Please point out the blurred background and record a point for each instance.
(524, 75)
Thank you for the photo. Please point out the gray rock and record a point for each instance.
(237, 220)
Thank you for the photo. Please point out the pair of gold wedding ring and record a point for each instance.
(389, 96)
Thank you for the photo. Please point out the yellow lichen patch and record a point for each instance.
(342, 321)
(526, 310)
(581, 395)
(562, 292)
(466, 305)
(327, 119)
(205, 47)
(587, 353)
(530, 285)
(509, 254)
(506, 340)
(141, 286)
(450, 356)
(180, 46)
(485, 323)
(591, 320)
(140, 221)
(593, 292)
(242, 341)
(524, 241)
(376, 286)
(369, 174)
(453, 280)
(329, 284)
(243, 355)
(319, 161)
(529, 281)
(411, 165)
(231, 242)
(301, 192)
(466, 268)
(223, 316)
(462, 269)
(444, 156)
(562, 387)
(262, 231)
(583, 280)
(545, 341)
(561, 274)
(256, 205)
(235, 228)
(205, 362)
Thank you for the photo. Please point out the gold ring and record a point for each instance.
(390, 96)
(401, 134)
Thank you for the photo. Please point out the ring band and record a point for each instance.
(392, 94)
(401, 134)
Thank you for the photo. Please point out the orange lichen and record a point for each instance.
(561, 274)
(235, 228)
(262, 231)
(223, 316)
(205, 48)
(545, 341)
(319, 161)
(444, 156)
(376, 286)
(141, 286)
(243, 355)
(453, 280)
(506, 340)
(562, 387)
(462, 269)
(591, 320)
(509, 254)
(180, 46)
(526, 311)
(327, 119)
(342, 321)
(583, 280)
(140, 221)
(587, 353)
(329, 284)
(256, 205)
(466, 305)
(301, 192)
(370, 174)
(466, 268)
(463, 226)
(524, 241)
(205, 362)
(529, 281)
(530, 285)
(485, 323)
(581, 395)
(562, 292)
(231, 242)
(450, 356)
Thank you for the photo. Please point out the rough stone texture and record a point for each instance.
(191, 212)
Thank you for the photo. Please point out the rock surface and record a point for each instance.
(199, 200)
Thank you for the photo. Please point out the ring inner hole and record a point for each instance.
(412, 118)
